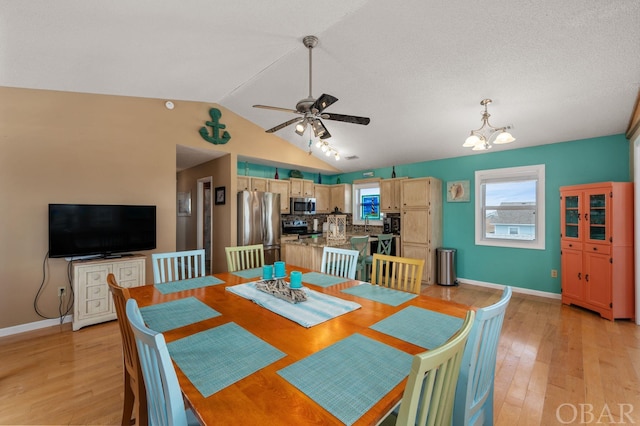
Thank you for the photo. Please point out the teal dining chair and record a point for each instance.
(179, 265)
(384, 247)
(164, 397)
(360, 244)
(474, 393)
(340, 262)
(431, 386)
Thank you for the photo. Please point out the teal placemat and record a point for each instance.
(420, 326)
(177, 313)
(189, 284)
(322, 280)
(350, 376)
(381, 294)
(318, 307)
(215, 358)
(249, 273)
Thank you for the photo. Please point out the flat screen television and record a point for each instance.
(100, 230)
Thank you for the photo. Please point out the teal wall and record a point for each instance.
(568, 163)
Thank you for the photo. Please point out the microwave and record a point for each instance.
(303, 206)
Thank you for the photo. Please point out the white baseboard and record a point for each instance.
(17, 329)
(513, 288)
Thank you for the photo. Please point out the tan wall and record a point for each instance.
(59, 147)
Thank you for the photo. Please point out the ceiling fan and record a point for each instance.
(311, 109)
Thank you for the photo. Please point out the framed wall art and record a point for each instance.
(220, 195)
(184, 203)
(458, 191)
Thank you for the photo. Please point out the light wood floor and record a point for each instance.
(552, 360)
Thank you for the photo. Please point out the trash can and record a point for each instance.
(446, 269)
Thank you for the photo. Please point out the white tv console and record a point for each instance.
(93, 303)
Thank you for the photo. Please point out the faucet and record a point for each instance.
(366, 224)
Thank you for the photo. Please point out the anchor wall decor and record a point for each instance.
(216, 126)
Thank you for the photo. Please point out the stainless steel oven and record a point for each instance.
(303, 206)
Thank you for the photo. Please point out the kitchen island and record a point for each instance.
(307, 252)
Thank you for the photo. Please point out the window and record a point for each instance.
(366, 203)
(510, 207)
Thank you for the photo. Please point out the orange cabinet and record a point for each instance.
(597, 247)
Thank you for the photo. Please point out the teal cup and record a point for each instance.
(267, 272)
(295, 279)
(279, 269)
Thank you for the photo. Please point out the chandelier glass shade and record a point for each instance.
(481, 139)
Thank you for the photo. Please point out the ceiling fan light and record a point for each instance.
(328, 153)
(301, 127)
(337, 156)
(318, 144)
(504, 137)
(472, 140)
(324, 148)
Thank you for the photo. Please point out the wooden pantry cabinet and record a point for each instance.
(390, 195)
(421, 215)
(597, 248)
(93, 302)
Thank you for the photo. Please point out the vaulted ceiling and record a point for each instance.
(556, 70)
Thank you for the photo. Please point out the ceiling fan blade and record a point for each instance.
(319, 130)
(324, 101)
(283, 125)
(346, 118)
(276, 108)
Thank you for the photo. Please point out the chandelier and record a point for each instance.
(479, 139)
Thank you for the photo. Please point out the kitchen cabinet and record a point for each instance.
(596, 233)
(390, 195)
(323, 198)
(281, 187)
(93, 302)
(421, 215)
(244, 183)
(341, 197)
(302, 188)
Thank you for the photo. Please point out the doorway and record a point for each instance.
(205, 219)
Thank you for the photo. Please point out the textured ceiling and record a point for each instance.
(556, 71)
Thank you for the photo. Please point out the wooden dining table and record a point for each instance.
(265, 397)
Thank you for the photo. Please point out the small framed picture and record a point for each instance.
(184, 203)
(220, 195)
(458, 191)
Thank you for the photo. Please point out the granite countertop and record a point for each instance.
(324, 242)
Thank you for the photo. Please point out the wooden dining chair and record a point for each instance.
(384, 247)
(179, 265)
(340, 262)
(400, 273)
(244, 257)
(474, 394)
(135, 396)
(360, 243)
(429, 394)
(164, 397)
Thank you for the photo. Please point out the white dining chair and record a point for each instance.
(179, 265)
(340, 262)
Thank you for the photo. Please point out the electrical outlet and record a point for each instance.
(554, 273)
(61, 291)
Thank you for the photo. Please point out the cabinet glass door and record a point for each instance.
(597, 217)
(571, 216)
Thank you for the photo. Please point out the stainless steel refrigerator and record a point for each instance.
(259, 222)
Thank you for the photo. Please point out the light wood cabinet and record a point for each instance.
(302, 188)
(597, 248)
(93, 302)
(390, 195)
(259, 184)
(421, 216)
(323, 198)
(244, 183)
(281, 187)
(341, 198)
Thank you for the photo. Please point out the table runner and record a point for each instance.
(350, 376)
(316, 309)
(322, 280)
(188, 284)
(381, 294)
(177, 313)
(419, 326)
(215, 358)
(249, 273)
